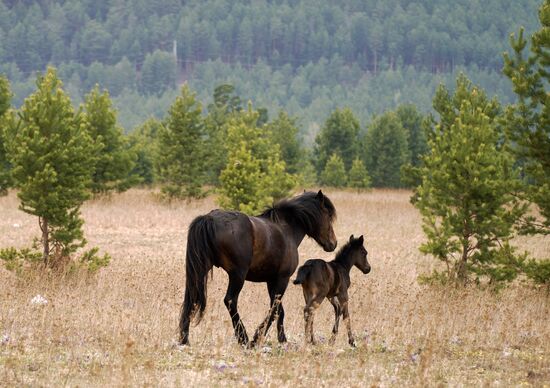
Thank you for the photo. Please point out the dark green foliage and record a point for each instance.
(467, 192)
(158, 73)
(5, 97)
(113, 161)
(528, 121)
(141, 142)
(386, 150)
(180, 158)
(226, 105)
(412, 122)
(538, 271)
(334, 173)
(339, 135)
(53, 158)
(284, 132)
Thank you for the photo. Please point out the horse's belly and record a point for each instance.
(267, 269)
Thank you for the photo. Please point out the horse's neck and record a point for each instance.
(295, 231)
(290, 227)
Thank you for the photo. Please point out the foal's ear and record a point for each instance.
(361, 239)
(351, 238)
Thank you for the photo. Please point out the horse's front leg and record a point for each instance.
(276, 291)
(236, 282)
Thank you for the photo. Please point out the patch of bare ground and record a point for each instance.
(120, 328)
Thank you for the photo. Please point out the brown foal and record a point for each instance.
(321, 279)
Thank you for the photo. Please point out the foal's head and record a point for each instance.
(359, 254)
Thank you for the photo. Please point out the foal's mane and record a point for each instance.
(304, 209)
(344, 251)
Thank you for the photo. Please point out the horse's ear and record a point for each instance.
(320, 196)
(361, 239)
(351, 238)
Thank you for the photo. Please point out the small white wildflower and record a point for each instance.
(266, 349)
(5, 339)
(16, 225)
(39, 300)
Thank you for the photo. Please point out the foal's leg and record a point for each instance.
(312, 302)
(344, 304)
(276, 290)
(236, 282)
(337, 312)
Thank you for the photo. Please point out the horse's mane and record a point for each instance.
(304, 209)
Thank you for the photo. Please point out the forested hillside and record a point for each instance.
(306, 56)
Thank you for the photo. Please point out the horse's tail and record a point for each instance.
(303, 271)
(201, 251)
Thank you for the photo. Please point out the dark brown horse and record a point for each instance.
(321, 280)
(258, 249)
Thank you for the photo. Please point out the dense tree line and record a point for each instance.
(431, 34)
(306, 57)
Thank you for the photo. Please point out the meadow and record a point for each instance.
(119, 328)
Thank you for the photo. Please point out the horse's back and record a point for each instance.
(233, 238)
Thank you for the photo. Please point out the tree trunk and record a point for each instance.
(45, 240)
(461, 272)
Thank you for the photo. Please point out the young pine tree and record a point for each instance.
(338, 135)
(255, 175)
(284, 132)
(226, 105)
(386, 150)
(528, 121)
(181, 147)
(358, 175)
(141, 142)
(528, 126)
(334, 173)
(114, 161)
(53, 158)
(466, 196)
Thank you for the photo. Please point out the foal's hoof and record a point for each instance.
(352, 343)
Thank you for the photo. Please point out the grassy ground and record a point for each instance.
(120, 328)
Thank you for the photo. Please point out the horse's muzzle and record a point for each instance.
(331, 246)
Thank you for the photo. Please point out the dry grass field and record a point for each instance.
(120, 327)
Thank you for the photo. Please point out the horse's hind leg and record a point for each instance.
(337, 312)
(236, 282)
(276, 291)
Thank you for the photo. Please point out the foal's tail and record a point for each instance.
(303, 271)
(201, 251)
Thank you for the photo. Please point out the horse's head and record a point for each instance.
(325, 236)
(360, 254)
